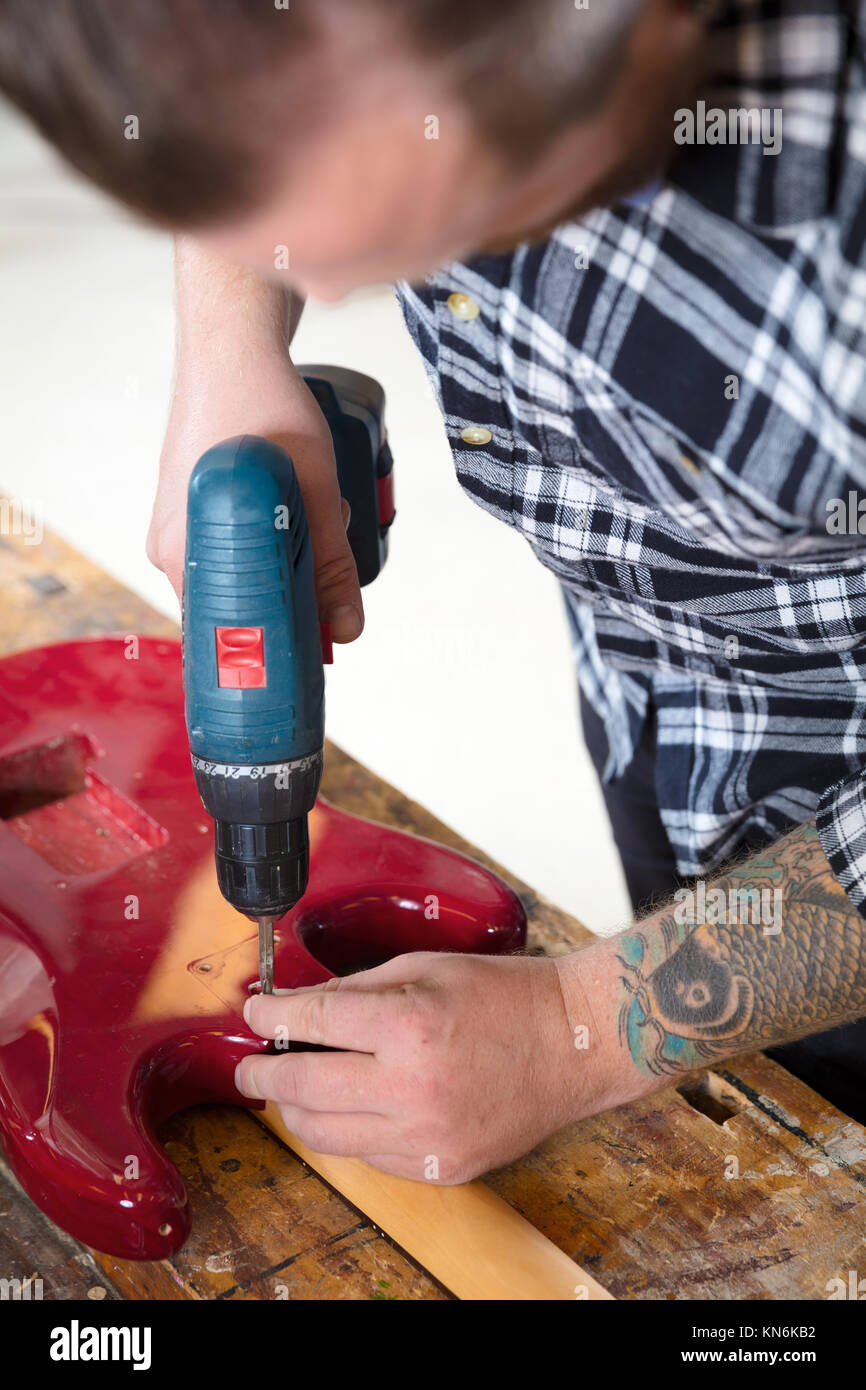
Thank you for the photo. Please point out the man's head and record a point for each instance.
(371, 140)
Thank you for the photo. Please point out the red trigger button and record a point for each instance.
(327, 644)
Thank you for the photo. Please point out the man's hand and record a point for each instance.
(235, 376)
(448, 1065)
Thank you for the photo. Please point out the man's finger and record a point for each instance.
(325, 1081)
(346, 1136)
(337, 589)
(399, 970)
(356, 1020)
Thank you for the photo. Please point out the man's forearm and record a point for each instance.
(770, 951)
(235, 376)
(225, 310)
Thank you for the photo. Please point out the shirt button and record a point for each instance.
(463, 306)
(475, 434)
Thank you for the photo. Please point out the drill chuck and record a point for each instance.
(261, 841)
(263, 869)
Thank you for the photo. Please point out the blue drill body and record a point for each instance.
(249, 565)
(253, 675)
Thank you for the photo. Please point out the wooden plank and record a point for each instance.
(478, 1246)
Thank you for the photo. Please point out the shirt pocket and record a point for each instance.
(714, 506)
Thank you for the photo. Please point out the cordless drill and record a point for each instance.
(253, 650)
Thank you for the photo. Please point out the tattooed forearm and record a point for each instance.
(770, 951)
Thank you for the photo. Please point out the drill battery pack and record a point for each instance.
(354, 407)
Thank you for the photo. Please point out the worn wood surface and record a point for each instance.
(743, 1184)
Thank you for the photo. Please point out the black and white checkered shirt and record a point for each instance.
(668, 399)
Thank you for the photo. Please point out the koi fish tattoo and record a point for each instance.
(717, 973)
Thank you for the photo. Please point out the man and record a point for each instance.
(642, 226)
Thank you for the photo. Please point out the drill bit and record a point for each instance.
(266, 953)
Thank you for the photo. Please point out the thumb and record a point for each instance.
(337, 588)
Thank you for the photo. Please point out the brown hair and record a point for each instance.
(162, 102)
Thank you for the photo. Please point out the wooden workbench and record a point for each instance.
(642, 1197)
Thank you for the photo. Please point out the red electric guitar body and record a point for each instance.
(123, 973)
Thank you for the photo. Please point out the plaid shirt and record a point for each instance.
(667, 427)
